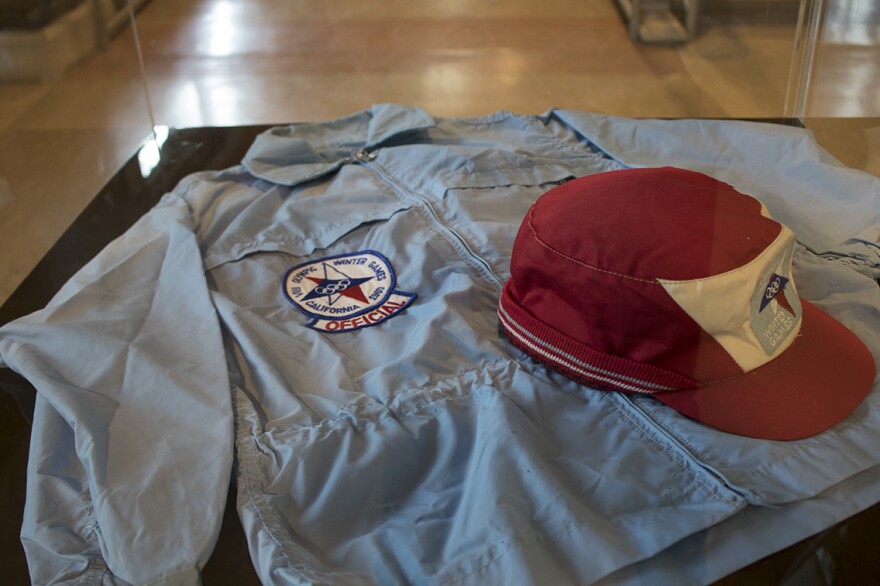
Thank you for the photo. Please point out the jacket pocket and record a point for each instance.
(297, 220)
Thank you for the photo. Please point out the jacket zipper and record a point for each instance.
(366, 157)
(682, 449)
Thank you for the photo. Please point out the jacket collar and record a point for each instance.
(290, 155)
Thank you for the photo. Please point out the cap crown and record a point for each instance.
(659, 266)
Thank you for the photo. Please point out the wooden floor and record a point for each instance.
(234, 62)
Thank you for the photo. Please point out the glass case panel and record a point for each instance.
(841, 96)
(81, 88)
(87, 85)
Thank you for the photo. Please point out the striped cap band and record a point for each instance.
(578, 360)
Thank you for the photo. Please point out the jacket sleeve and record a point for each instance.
(131, 449)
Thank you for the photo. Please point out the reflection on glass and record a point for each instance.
(151, 153)
(220, 34)
(853, 22)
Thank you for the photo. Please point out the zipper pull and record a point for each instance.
(365, 155)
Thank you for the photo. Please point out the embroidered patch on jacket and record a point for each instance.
(346, 292)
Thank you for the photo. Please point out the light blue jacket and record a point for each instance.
(424, 448)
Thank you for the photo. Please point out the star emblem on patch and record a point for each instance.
(335, 289)
(774, 293)
(346, 292)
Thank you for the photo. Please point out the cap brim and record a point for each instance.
(814, 384)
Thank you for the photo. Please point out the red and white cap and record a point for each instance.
(670, 283)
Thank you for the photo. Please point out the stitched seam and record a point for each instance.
(433, 394)
(652, 281)
(431, 217)
(609, 523)
(581, 263)
(721, 380)
(490, 120)
(238, 250)
(429, 385)
(784, 234)
(689, 461)
(248, 443)
(245, 437)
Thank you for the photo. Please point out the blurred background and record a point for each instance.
(84, 84)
